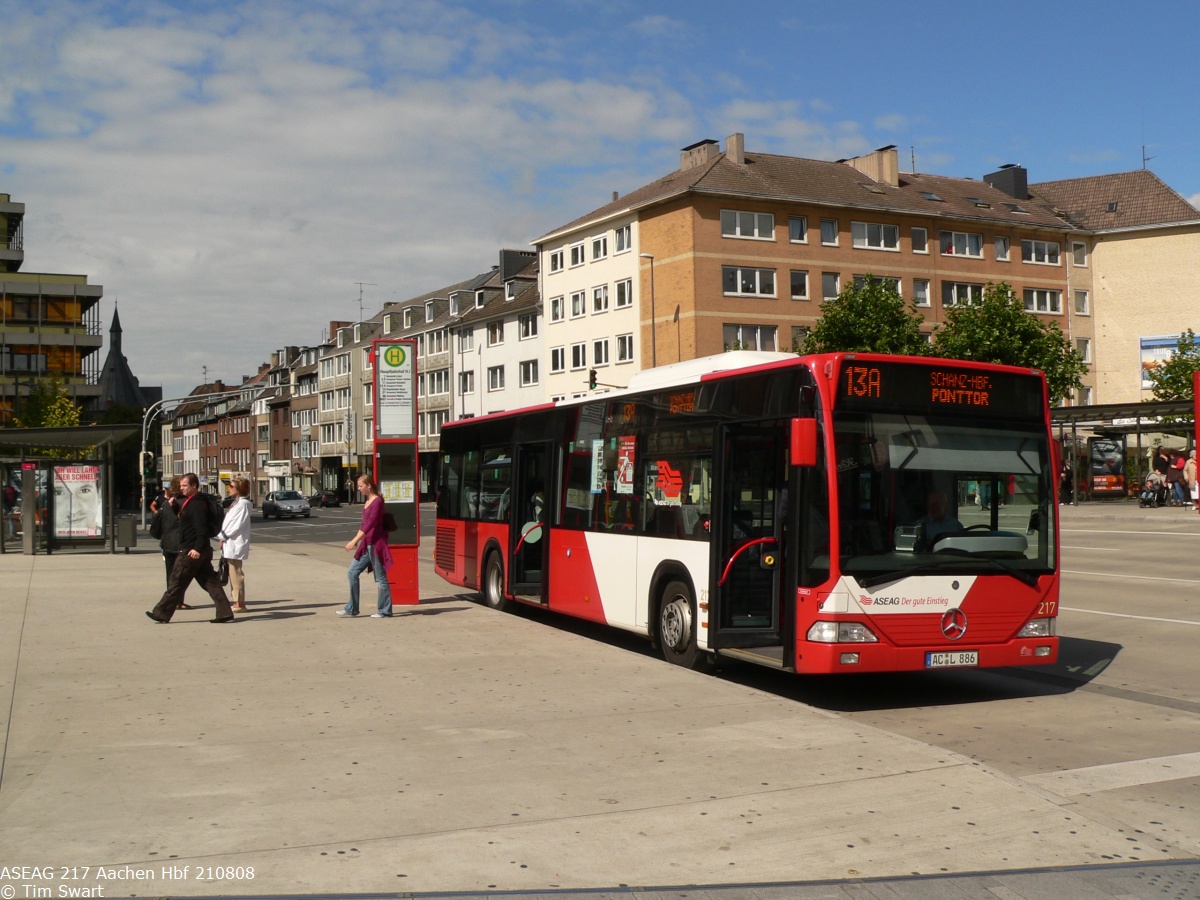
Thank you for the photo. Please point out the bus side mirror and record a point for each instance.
(803, 444)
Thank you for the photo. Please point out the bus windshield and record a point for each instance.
(936, 492)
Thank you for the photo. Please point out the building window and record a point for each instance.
(1041, 252)
(624, 293)
(527, 326)
(557, 309)
(600, 299)
(578, 356)
(556, 260)
(830, 285)
(956, 293)
(495, 334)
(961, 243)
(800, 334)
(1081, 304)
(578, 304)
(889, 281)
(466, 383)
(829, 232)
(480, 299)
(799, 285)
(756, 226)
(577, 254)
(740, 282)
(920, 240)
(798, 229)
(624, 238)
(439, 382)
(920, 292)
(749, 337)
(466, 340)
(529, 373)
(558, 359)
(873, 236)
(600, 352)
(1083, 347)
(1043, 301)
(1079, 254)
(510, 290)
(496, 378)
(600, 247)
(1002, 244)
(624, 348)
(368, 395)
(428, 313)
(436, 341)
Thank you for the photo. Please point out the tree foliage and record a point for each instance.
(48, 405)
(870, 317)
(1172, 379)
(999, 330)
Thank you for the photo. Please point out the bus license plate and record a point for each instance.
(951, 659)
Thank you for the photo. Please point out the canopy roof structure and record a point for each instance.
(80, 437)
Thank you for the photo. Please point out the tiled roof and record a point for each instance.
(1125, 200)
(834, 184)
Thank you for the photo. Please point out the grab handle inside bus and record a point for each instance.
(804, 442)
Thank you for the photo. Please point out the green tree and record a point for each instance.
(48, 405)
(1172, 379)
(999, 330)
(870, 317)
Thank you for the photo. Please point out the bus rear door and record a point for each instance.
(529, 537)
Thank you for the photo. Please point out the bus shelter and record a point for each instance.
(1099, 439)
(64, 499)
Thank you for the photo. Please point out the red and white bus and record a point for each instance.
(817, 514)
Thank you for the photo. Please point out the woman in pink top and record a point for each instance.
(370, 549)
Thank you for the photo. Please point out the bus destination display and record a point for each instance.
(924, 388)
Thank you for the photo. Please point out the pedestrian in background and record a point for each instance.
(194, 562)
(1189, 476)
(370, 549)
(235, 541)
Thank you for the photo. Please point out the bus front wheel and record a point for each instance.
(493, 583)
(677, 627)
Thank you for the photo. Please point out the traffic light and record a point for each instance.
(147, 465)
(591, 379)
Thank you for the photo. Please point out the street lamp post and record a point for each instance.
(653, 323)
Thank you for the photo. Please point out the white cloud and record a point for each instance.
(1194, 200)
(231, 182)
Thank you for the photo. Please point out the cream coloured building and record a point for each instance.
(1141, 277)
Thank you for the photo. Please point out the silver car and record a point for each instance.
(285, 503)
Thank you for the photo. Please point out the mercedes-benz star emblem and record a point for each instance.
(954, 624)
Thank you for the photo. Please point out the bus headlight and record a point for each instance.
(1038, 628)
(841, 633)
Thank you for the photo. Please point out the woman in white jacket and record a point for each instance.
(235, 541)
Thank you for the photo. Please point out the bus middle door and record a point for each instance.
(745, 609)
(529, 523)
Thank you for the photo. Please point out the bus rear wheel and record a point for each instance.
(677, 628)
(493, 582)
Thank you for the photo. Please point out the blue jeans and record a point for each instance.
(385, 592)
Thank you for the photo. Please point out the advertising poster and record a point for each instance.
(1155, 350)
(78, 507)
(626, 453)
(1107, 464)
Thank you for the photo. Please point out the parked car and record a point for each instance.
(325, 498)
(285, 503)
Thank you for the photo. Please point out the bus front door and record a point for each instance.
(529, 536)
(745, 607)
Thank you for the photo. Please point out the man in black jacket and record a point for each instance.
(195, 557)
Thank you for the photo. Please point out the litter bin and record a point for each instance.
(127, 532)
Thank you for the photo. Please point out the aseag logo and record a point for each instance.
(394, 356)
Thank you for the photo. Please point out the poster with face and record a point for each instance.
(78, 510)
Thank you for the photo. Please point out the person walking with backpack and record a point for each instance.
(370, 549)
(235, 541)
(198, 525)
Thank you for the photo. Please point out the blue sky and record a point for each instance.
(229, 170)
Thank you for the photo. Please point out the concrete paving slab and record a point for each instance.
(450, 748)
